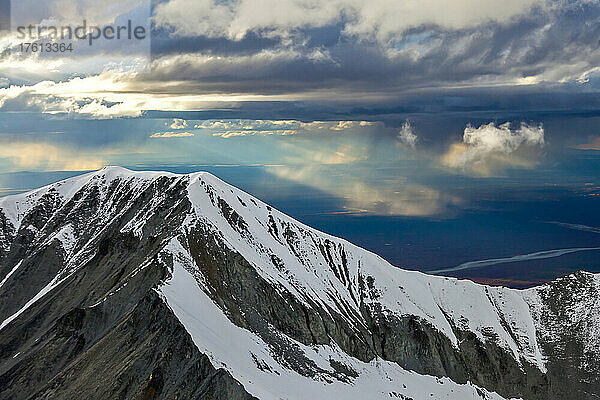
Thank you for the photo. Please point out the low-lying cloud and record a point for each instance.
(178, 123)
(406, 136)
(171, 134)
(486, 149)
(49, 157)
(240, 127)
(365, 196)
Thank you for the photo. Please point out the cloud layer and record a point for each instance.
(171, 134)
(234, 19)
(208, 54)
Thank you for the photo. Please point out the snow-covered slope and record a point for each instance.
(320, 266)
(250, 360)
(286, 310)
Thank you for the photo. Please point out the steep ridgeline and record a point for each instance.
(137, 285)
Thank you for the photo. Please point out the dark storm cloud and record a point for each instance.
(537, 63)
(163, 44)
(549, 44)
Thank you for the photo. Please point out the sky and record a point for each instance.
(434, 133)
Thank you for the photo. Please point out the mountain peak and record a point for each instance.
(267, 299)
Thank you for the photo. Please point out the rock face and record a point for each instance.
(136, 285)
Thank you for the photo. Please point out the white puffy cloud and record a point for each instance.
(96, 96)
(171, 134)
(489, 147)
(253, 132)
(406, 136)
(238, 127)
(229, 134)
(178, 123)
(96, 109)
(343, 125)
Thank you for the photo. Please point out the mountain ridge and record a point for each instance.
(292, 289)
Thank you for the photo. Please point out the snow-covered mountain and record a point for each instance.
(121, 284)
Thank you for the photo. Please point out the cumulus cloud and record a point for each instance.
(488, 147)
(229, 134)
(97, 109)
(406, 136)
(94, 96)
(224, 124)
(240, 127)
(178, 123)
(253, 132)
(171, 134)
(343, 125)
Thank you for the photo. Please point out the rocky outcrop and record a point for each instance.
(411, 342)
(568, 315)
